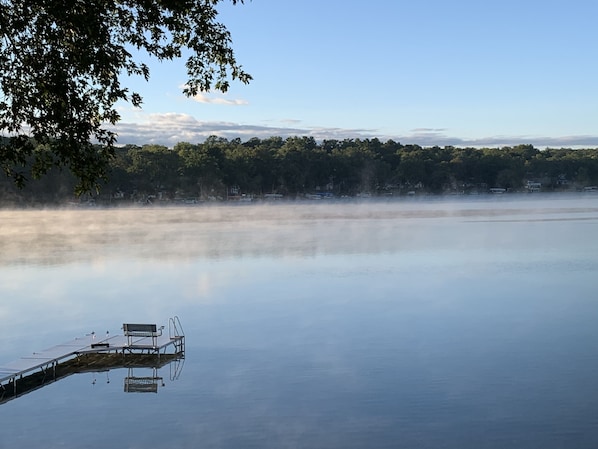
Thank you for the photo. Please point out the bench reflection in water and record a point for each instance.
(140, 346)
(135, 364)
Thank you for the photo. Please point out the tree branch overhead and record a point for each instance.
(61, 66)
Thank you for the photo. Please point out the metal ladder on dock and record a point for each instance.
(176, 333)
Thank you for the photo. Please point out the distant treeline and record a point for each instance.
(297, 166)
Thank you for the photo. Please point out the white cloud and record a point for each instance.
(427, 130)
(438, 136)
(210, 99)
(171, 128)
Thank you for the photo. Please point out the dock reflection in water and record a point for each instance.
(449, 324)
(134, 352)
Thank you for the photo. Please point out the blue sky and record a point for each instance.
(431, 72)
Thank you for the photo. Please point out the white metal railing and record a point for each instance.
(175, 329)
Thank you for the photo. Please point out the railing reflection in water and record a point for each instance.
(103, 363)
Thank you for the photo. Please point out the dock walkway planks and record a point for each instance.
(50, 357)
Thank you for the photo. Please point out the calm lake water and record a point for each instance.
(410, 324)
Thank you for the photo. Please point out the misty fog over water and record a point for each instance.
(428, 323)
(304, 229)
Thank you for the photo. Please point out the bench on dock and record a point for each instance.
(141, 330)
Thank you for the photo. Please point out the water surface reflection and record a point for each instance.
(404, 325)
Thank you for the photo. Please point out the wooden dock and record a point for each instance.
(104, 353)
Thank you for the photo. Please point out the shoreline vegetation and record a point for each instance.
(299, 168)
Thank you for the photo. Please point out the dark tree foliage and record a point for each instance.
(299, 167)
(61, 66)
